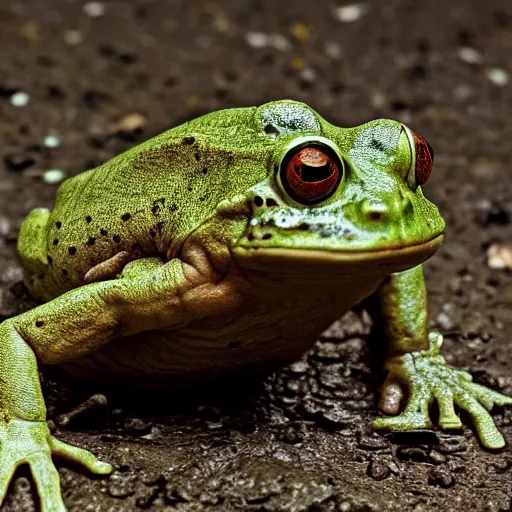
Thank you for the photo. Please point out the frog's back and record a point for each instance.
(141, 203)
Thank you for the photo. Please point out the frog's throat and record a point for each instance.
(382, 260)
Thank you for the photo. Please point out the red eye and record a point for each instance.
(310, 175)
(424, 159)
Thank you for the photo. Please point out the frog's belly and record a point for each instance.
(271, 326)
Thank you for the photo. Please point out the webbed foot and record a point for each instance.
(30, 442)
(427, 377)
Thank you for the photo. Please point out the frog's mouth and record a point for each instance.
(378, 260)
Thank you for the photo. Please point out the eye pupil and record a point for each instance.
(310, 175)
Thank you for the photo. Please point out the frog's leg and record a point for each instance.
(415, 361)
(70, 326)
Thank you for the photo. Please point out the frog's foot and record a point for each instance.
(427, 378)
(30, 442)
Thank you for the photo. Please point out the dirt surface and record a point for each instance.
(301, 439)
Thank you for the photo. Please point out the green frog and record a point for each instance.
(225, 246)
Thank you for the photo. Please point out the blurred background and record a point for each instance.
(83, 81)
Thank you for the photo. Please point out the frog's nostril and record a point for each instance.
(375, 212)
(375, 215)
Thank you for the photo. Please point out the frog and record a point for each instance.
(226, 246)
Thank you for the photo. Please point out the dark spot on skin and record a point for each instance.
(205, 170)
(103, 232)
(126, 217)
(58, 225)
(72, 251)
(303, 226)
(152, 232)
(64, 272)
(375, 216)
(250, 237)
(173, 208)
(50, 260)
(88, 219)
(136, 247)
(156, 209)
(189, 140)
(202, 198)
(271, 202)
(91, 241)
(376, 144)
(116, 238)
(55, 242)
(189, 189)
(39, 323)
(258, 201)
(266, 236)
(234, 344)
(197, 156)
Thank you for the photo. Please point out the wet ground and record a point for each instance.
(301, 439)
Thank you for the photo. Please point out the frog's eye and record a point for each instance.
(424, 159)
(311, 173)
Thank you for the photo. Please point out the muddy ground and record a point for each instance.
(300, 439)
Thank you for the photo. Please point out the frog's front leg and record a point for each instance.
(68, 327)
(415, 362)
(24, 434)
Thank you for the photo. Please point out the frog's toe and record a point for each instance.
(81, 456)
(448, 419)
(489, 435)
(47, 482)
(404, 421)
(487, 397)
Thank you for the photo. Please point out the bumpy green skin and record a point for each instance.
(193, 237)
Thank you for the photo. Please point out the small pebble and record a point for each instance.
(498, 76)
(441, 477)
(256, 39)
(444, 321)
(279, 42)
(73, 37)
(470, 55)
(308, 75)
(53, 176)
(437, 458)
(377, 470)
(299, 367)
(351, 12)
(129, 123)
(262, 40)
(94, 9)
(5, 226)
(20, 99)
(51, 141)
(499, 256)
(333, 50)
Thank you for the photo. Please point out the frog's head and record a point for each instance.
(334, 194)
